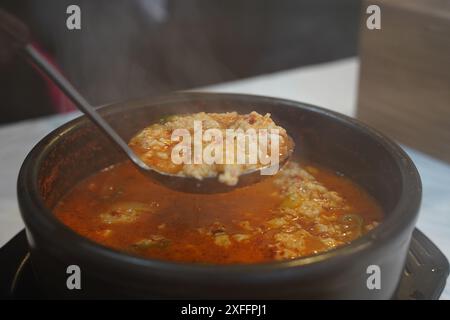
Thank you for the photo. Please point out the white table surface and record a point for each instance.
(331, 85)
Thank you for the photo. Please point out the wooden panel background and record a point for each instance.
(405, 74)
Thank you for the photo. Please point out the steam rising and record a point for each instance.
(131, 49)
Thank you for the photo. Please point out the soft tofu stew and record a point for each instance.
(302, 210)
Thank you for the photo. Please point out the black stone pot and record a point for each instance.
(78, 149)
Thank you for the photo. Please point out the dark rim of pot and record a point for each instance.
(38, 217)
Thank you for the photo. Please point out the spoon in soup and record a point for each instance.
(17, 32)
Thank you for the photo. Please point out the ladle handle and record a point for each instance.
(15, 37)
(45, 66)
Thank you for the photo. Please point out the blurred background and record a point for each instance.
(136, 48)
(396, 79)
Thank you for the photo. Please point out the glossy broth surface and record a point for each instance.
(303, 210)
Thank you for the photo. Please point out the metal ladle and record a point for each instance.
(177, 182)
(14, 35)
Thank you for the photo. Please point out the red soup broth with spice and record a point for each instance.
(303, 210)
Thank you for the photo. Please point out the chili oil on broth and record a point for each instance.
(303, 210)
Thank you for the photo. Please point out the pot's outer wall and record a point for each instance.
(78, 150)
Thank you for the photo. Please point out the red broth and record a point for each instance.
(303, 210)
